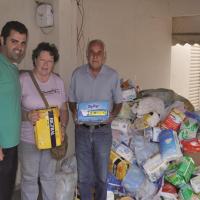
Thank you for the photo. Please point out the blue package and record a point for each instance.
(114, 185)
(133, 179)
(169, 145)
(94, 111)
(193, 115)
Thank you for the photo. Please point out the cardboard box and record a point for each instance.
(97, 111)
(47, 129)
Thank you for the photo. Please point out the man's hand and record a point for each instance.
(72, 107)
(1, 154)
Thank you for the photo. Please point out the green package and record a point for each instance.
(188, 130)
(186, 168)
(172, 177)
(186, 193)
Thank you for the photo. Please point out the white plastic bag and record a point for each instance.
(66, 179)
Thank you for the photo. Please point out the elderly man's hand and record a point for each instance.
(110, 119)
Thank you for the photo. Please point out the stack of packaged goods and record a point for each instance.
(155, 150)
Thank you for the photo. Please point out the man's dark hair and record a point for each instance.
(45, 46)
(13, 25)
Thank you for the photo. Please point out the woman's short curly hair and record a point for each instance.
(45, 46)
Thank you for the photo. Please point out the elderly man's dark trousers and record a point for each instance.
(8, 168)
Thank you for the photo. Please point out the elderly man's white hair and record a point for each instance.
(99, 42)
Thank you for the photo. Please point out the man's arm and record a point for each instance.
(115, 111)
(73, 109)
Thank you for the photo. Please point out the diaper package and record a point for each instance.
(94, 111)
(47, 129)
(169, 145)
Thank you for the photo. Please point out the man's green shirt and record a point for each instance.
(10, 111)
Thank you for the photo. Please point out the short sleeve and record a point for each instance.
(117, 92)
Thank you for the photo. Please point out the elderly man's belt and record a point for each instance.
(93, 126)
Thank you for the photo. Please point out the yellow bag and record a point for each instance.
(118, 166)
(47, 129)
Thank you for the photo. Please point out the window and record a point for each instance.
(194, 76)
(185, 72)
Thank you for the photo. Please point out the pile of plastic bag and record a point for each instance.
(156, 145)
(66, 178)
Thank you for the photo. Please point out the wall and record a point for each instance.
(67, 48)
(184, 7)
(137, 35)
(27, 17)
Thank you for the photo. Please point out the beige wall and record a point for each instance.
(67, 48)
(137, 35)
(23, 11)
(184, 7)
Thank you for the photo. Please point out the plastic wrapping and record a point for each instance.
(143, 148)
(169, 145)
(155, 167)
(66, 179)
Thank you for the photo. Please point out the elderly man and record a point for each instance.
(94, 81)
(13, 45)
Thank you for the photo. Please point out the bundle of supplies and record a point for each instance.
(156, 147)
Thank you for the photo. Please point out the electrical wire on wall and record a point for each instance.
(80, 48)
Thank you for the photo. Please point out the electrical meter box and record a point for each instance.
(44, 15)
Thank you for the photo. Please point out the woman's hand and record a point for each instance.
(33, 116)
(1, 154)
(63, 132)
(64, 117)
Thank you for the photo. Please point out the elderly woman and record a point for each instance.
(39, 163)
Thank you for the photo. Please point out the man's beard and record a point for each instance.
(17, 57)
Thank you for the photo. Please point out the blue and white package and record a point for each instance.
(124, 151)
(114, 185)
(129, 94)
(94, 111)
(169, 145)
(193, 115)
(134, 179)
